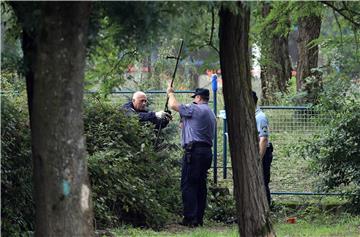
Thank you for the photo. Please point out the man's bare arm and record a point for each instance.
(262, 146)
(173, 104)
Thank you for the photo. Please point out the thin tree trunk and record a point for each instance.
(28, 43)
(194, 75)
(252, 208)
(276, 65)
(55, 90)
(309, 30)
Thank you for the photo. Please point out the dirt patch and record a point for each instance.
(176, 228)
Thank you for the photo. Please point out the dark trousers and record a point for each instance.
(266, 164)
(193, 183)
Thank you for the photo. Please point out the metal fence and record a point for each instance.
(289, 126)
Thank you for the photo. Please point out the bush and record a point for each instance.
(132, 182)
(17, 205)
(336, 151)
(221, 205)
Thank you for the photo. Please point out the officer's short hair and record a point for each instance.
(255, 97)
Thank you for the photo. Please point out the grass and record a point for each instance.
(346, 226)
(221, 231)
(321, 226)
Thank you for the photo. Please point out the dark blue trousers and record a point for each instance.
(193, 183)
(266, 164)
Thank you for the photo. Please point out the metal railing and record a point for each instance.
(288, 125)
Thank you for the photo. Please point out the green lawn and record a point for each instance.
(323, 226)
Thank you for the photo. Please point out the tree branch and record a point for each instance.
(210, 42)
(116, 65)
(349, 10)
(212, 25)
(338, 23)
(341, 12)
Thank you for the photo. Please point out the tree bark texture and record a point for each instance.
(275, 62)
(251, 204)
(309, 30)
(62, 191)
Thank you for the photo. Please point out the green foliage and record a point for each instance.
(221, 205)
(139, 22)
(339, 54)
(17, 205)
(11, 54)
(131, 181)
(305, 9)
(197, 24)
(119, 41)
(336, 151)
(278, 17)
(107, 62)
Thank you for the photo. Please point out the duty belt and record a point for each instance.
(193, 145)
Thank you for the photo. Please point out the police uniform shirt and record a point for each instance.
(198, 123)
(262, 124)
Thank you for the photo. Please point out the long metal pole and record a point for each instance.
(174, 73)
(214, 88)
(225, 149)
(166, 109)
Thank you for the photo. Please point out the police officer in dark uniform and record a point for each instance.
(138, 107)
(198, 127)
(265, 147)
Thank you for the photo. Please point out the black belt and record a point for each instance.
(193, 145)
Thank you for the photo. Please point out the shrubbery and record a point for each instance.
(17, 206)
(336, 151)
(221, 205)
(131, 181)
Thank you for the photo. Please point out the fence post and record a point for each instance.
(214, 88)
(225, 147)
(222, 115)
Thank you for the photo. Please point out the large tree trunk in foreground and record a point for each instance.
(275, 62)
(62, 192)
(309, 30)
(251, 204)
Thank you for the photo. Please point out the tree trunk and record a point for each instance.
(55, 89)
(306, 80)
(251, 204)
(275, 62)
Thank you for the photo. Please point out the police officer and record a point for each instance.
(265, 147)
(198, 127)
(138, 106)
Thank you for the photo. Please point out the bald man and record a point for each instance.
(138, 106)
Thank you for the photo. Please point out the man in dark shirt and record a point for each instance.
(138, 107)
